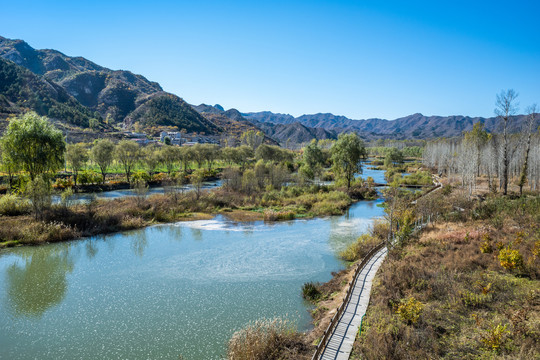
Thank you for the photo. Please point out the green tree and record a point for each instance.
(197, 179)
(8, 166)
(77, 157)
(313, 160)
(170, 156)
(393, 156)
(252, 139)
(151, 158)
(102, 155)
(33, 144)
(347, 154)
(199, 154)
(128, 154)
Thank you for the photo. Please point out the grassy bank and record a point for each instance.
(466, 288)
(61, 223)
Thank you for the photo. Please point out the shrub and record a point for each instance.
(409, 310)
(13, 205)
(475, 300)
(89, 177)
(262, 340)
(62, 183)
(271, 215)
(140, 176)
(359, 248)
(495, 337)
(310, 291)
(446, 190)
(486, 247)
(510, 258)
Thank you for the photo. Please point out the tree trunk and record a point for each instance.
(505, 159)
(523, 177)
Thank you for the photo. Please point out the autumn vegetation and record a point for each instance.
(260, 181)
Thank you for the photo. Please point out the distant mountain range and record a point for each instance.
(416, 126)
(77, 92)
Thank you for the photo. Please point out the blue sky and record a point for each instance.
(361, 59)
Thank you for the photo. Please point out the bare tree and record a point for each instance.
(505, 106)
(530, 121)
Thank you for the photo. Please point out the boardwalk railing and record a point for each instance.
(418, 225)
(343, 306)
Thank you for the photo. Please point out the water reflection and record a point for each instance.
(139, 242)
(38, 281)
(91, 249)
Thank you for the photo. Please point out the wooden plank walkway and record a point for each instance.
(340, 343)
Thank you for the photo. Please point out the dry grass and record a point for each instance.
(105, 216)
(267, 340)
(472, 307)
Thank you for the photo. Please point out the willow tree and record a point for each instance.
(313, 159)
(31, 143)
(347, 154)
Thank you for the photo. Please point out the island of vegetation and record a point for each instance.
(260, 182)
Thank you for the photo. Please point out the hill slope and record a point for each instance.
(21, 90)
(231, 120)
(116, 95)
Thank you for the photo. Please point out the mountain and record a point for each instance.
(294, 133)
(231, 120)
(22, 90)
(416, 126)
(118, 96)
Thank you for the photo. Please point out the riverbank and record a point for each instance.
(465, 287)
(62, 223)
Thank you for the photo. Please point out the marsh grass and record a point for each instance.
(472, 305)
(266, 339)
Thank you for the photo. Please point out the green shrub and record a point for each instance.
(409, 310)
(359, 248)
(510, 258)
(495, 337)
(13, 205)
(311, 292)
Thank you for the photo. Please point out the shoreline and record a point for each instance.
(123, 214)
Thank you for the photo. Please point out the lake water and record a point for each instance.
(166, 291)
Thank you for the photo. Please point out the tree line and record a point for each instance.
(32, 146)
(501, 158)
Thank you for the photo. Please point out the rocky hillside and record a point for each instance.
(294, 133)
(117, 96)
(416, 126)
(231, 120)
(22, 90)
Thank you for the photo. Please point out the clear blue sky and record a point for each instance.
(360, 59)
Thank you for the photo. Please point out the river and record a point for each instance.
(166, 291)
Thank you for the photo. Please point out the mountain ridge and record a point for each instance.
(414, 126)
(118, 96)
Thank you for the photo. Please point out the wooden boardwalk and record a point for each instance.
(340, 342)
